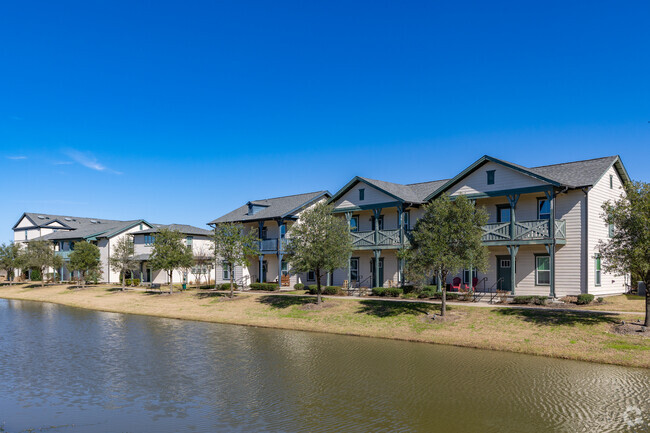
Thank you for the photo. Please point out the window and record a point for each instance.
(264, 233)
(503, 213)
(490, 177)
(140, 226)
(543, 209)
(149, 240)
(285, 269)
(354, 269)
(505, 263)
(283, 230)
(598, 271)
(189, 240)
(362, 193)
(466, 278)
(610, 228)
(225, 270)
(354, 224)
(542, 270)
(25, 234)
(311, 276)
(611, 181)
(380, 220)
(71, 246)
(407, 220)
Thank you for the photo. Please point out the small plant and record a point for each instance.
(226, 286)
(540, 300)
(135, 281)
(569, 299)
(298, 286)
(585, 298)
(128, 281)
(600, 300)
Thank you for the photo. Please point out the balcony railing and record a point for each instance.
(271, 245)
(523, 231)
(382, 238)
(64, 254)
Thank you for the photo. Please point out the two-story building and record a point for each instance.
(544, 227)
(199, 239)
(65, 231)
(269, 219)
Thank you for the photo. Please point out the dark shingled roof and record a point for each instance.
(279, 207)
(577, 173)
(181, 228)
(103, 229)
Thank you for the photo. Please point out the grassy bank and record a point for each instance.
(571, 335)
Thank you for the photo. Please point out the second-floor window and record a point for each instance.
(189, 240)
(264, 233)
(406, 220)
(149, 240)
(543, 209)
(503, 213)
(611, 181)
(283, 230)
(379, 220)
(362, 194)
(490, 177)
(354, 224)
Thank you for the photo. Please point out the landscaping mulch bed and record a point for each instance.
(631, 328)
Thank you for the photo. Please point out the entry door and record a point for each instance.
(381, 271)
(265, 269)
(503, 273)
(148, 275)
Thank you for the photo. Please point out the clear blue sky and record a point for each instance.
(181, 111)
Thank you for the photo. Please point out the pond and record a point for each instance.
(65, 369)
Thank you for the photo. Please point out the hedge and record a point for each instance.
(226, 286)
(387, 291)
(325, 290)
(271, 287)
(298, 286)
(537, 300)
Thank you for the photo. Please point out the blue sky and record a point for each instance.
(181, 111)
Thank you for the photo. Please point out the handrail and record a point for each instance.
(494, 294)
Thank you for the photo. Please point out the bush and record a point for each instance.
(135, 281)
(585, 299)
(427, 294)
(540, 300)
(271, 287)
(411, 289)
(325, 290)
(128, 281)
(298, 286)
(387, 291)
(533, 300)
(226, 286)
(600, 300)
(35, 275)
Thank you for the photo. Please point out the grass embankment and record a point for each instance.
(561, 334)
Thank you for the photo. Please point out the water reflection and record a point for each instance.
(95, 372)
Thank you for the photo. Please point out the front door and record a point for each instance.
(381, 272)
(503, 273)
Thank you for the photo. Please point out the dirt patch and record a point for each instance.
(633, 328)
(313, 306)
(447, 318)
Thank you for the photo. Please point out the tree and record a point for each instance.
(11, 258)
(85, 259)
(40, 254)
(123, 258)
(234, 245)
(319, 242)
(445, 240)
(170, 253)
(628, 249)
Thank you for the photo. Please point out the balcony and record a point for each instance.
(383, 239)
(65, 255)
(536, 231)
(268, 246)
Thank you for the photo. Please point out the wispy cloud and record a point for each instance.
(88, 160)
(17, 157)
(63, 163)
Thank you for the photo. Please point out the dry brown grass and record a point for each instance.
(631, 303)
(570, 335)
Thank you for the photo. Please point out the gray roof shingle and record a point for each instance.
(100, 230)
(279, 207)
(181, 228)
(577, 173)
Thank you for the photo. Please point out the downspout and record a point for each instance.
(585, 245)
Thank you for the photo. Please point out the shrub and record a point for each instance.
(226, 286)
(411, 289)
(271, 287)
(298, 286)
(584, 299)
(600, 300)
(325, 290)
(569, 299)
(128, 281)
(136, 281)
(387, 291)
(540, 300)
(427, 294)
(523, 300)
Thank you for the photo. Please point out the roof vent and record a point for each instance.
(67, 219)
(41, 217)
(94, 221)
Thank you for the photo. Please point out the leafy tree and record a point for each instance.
(11, 258)
(628, 250)
(445, 240)
(40, 255)
(319, 242)
(234, 245)
(202, 265)
(123, 258)
(85, 259)
(170, 253)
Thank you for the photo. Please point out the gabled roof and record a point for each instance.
(103, 229)
(181, 228)
(415, 193)
(279, 207)
(575, 174)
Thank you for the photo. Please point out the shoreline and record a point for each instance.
(574, 335)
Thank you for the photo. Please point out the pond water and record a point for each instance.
(64, 369)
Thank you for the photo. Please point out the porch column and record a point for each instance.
(261, 268)
(438, 277)
(279, 252)
(329, 278)
(260, 226)
(350, 272)
(400, 271)
(400, 223)
(512, 199)
(513, 249)
(376, 214)
(376, 276)
(550, 196)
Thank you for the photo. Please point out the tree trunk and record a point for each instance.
(231, 281)
(171, 282)
(646, 323)
(443, 307)
(43, 277)
(318, 289)
(124, 280)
